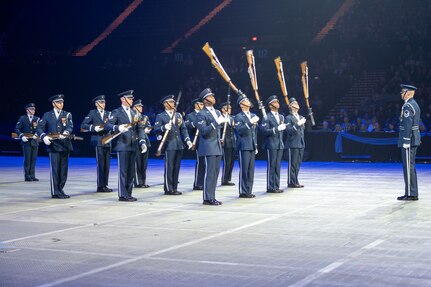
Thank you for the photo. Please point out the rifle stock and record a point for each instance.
(304, 80)
(217, 65)
(280, 74)
(253, 79)
(223, 138)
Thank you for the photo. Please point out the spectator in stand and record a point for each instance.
(363, 128)
(325, 127)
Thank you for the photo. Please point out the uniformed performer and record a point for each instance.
(273, 128)
(174, 143)
(245, 127)
(408, 140)
(295, 143)
(95, 122)
(125, 121)
(191, 128)
(142, 157)
(209, 122)
(229, 145)
(26, 130)
(54, 129)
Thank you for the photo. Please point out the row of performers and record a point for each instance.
(218, 136)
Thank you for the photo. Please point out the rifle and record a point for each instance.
(195, 140)
(304, 80)
(280, 74)
(253, 78)
(28, 135)
(217, 65)
(165, 136)
(110, 137)
(56, 136)
(223, 138)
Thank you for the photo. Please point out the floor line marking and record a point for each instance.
(175, 247)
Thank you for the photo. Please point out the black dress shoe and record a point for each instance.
(411, 197)
(145, 186)
(100, 189)
(242, 195)
(228, 183)
(35, 179)
(59, 196)
(173, 193)
(131, 198)
(107, 189)
(28, 179)
(275, 191)
(139, 186)
(212, 202)
(198, 188)
(295, 186)
(125, 199)
(404, 197)
(65, 195)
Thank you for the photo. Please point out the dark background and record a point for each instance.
(38, 39)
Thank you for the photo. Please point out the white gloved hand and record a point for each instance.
(189, 144)
(159, 137)
(61, 137)
(406, 146)
(147, 130)
(35, 137)
(302, 121)
(98, 129)
(254, 119)
(256, 151)
(66, 133)
(221, 120)
(24, 139)
(143, 148)
(281, 127)
(123, 128)
(168, 126)
(47, 140)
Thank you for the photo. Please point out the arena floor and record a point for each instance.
(345, 228)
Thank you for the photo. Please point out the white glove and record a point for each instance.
(256, 151)
(281, 127)
(122, 128)
(98, 129)
(189, 144)
(221, 120)
(159, 137)
(47, 140)
(147, 130)
(66, 133)
(254, 119)
(24, 139)
(168, 126)
(35, 137)
(62, 137)
(406, 146)
(143, 148)
(302, 121)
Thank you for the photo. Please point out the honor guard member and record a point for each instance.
(95, 122)
(191, 128)
(273, 128)
(209, 122)
(245, 127)
(295, 125)
(54, 129)
(26, 130)
(124, 121)
(142, 157)
(177, 132)
(408, 140)
(229, 145)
